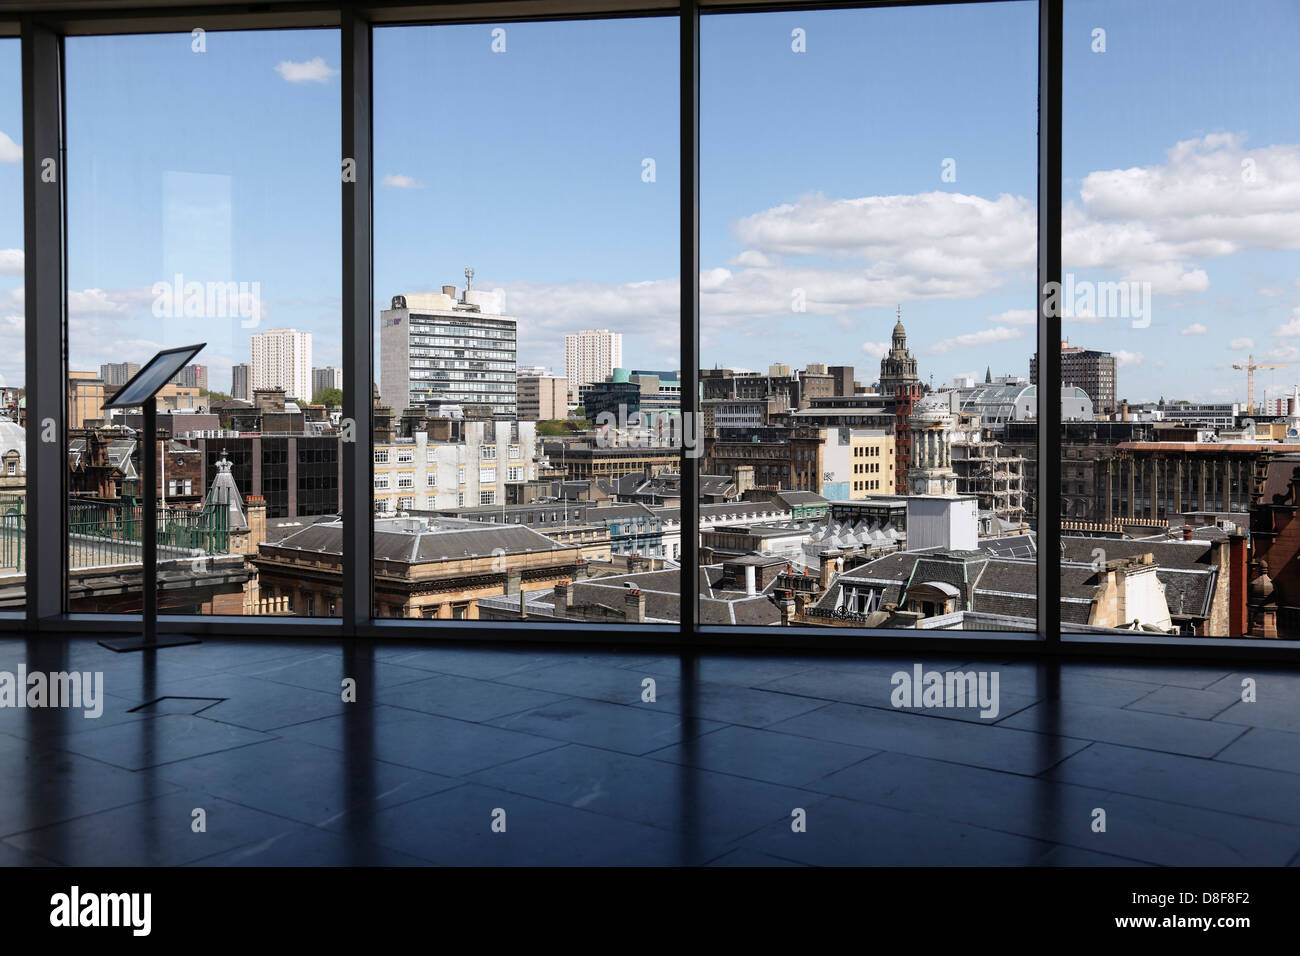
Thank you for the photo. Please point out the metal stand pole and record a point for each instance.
(149, 522)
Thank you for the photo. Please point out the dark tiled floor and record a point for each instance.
(491, 755)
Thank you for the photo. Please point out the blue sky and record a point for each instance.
(821, 177)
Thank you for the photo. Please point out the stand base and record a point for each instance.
(137, 643)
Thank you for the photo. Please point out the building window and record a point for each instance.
(381, 482)
(406, 480)
(381, 456)
(460, 475)
(405, 454)
(489, 452)
(431, 479)
(515, 473)
(487, 497)
(488, 475)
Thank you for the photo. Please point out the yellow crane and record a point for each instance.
(1249, 369)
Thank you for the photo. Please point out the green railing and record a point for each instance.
(13, 529)
(105, 532)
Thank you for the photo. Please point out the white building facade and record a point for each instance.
(281, 358)
(591, 356)
(423, 475)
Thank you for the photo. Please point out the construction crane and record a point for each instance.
(1249, 368)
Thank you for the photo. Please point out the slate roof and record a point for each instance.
(414, 541)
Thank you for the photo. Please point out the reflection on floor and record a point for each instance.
(488, 755)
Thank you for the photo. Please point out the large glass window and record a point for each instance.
(1180, 305)
(527, 333)
(867, 240)
(203, 206)
(13, 372)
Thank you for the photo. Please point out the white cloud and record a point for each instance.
(1125, 358)
(1289, 329)
(1196, 205)
(1272, 291)
(1241, 345)
(875, 350)
(11, 262)
(10, 152)
(309, 71)
(1194, 329)
(974, 339)
(1015, 317)
(1283, 353)
(752, 259)
(402, 181)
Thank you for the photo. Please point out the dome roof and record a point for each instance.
(13, 435)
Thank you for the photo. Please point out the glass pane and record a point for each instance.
(868, 310)
(1181, 310)
(527, 430)
(13, 371)
(205, 209)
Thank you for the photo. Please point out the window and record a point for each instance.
(175, 240)
(406, 480)
(381, 482)
(431, 479)
(13, 372)
(381, 456)
(405, 455)
(405, 503)
(830, 237)
(611, 217)
(1181, 320)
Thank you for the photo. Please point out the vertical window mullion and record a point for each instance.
(1049, 321)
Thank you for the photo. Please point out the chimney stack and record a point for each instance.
(750, 590)
(634, 606)
(562, 599)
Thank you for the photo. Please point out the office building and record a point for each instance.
(1089, 369)
(192, 376)
(116, 374)
(440, 349)
(241, 386)
(543, 397)
(327, 377)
